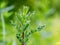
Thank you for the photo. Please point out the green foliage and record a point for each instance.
(22, 21)
(23, 17)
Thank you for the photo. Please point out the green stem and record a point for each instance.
(3, 26)
(23, 38)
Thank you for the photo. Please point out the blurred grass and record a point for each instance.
(46, 12)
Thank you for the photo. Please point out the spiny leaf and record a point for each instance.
(25, 10)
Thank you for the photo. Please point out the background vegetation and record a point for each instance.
(30, 15)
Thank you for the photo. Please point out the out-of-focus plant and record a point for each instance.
(20, 16)
(23, 23)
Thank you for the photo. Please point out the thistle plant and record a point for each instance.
(23, 23)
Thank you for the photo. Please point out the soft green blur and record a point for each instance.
(46, 12)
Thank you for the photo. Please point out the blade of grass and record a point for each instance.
(6, 9)
(3, 26)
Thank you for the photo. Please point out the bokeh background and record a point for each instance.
(46, 12)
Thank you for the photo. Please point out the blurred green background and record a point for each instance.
(45, 12)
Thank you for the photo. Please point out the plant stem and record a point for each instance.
(3, 26)
(23, 38)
